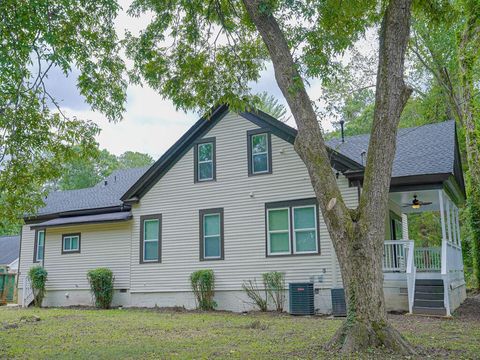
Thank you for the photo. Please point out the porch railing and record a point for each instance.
(428, 259)
(27, 292)
(395, 255)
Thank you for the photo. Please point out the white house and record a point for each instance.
(232, 195)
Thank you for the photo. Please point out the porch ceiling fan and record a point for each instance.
(416, 204)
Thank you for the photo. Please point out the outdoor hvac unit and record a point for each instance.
(301, 297)
(339, 306)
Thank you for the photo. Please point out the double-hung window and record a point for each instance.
(305, 229)
(292, 227)
(279, 231)
(205, 158)
(39, 245)
(259, 152)
(150, 238)
(211, 234)
(70, 243)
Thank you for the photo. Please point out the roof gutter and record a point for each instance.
(94, 211)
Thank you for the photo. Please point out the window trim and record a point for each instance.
(289, 230)
(35, 245)
(394, 218)
(292, 204)
(211, 140)
(294, 231)
(202, 213)
(142, 240)
(250, 134)
(79, 243)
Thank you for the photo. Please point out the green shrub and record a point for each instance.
(101, 284)
(38, 278)
(254, 293)
(275, 286)
(203, 285)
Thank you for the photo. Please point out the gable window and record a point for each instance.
(205, 167)
(259, 152)
(150, 238)
(39, 246)
(292, 227)
(211, 234)
(70, 243)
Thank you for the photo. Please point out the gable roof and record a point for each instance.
(201, 127)
(106, 194)
(9, 249)
(421, 151)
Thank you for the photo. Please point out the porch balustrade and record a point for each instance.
(428, 259)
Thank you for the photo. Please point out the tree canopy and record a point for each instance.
(36, 137)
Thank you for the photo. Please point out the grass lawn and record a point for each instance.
(149, 334)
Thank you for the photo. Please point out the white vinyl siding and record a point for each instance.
(102, 245)
(243, 198)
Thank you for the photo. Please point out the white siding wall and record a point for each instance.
(179, 200)
(102, 245)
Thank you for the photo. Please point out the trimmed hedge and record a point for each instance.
(101, 284)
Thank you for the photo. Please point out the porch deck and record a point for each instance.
(432, 274)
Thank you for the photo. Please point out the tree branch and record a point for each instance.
(309, 143)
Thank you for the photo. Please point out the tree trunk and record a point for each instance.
(357, 235)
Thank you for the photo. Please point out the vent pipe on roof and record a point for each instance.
(105, 182)
(342, 123)
(362, 154)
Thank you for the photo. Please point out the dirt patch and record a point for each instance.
(470, 309)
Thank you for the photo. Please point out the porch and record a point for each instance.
(432, 275)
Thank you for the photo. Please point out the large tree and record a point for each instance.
(198, 53)
(36, 137)
(448, 48)
(86, 172)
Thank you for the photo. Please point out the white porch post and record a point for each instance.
(458, 227)
(449, 226)
(454, 223)
(405, 227)
(446, 296)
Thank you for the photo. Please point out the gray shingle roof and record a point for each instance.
(99, 196)
(9, 249)
(427, 149)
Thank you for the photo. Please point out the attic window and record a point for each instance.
(259, 152)
(205, 160)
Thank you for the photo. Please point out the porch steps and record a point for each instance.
(429, 297)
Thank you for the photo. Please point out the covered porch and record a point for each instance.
(432, 272)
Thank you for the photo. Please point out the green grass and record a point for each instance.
(148, 334)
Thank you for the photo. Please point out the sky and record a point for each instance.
(151, 124)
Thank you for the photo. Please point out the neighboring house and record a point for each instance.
(232, 195)
(9, 252)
